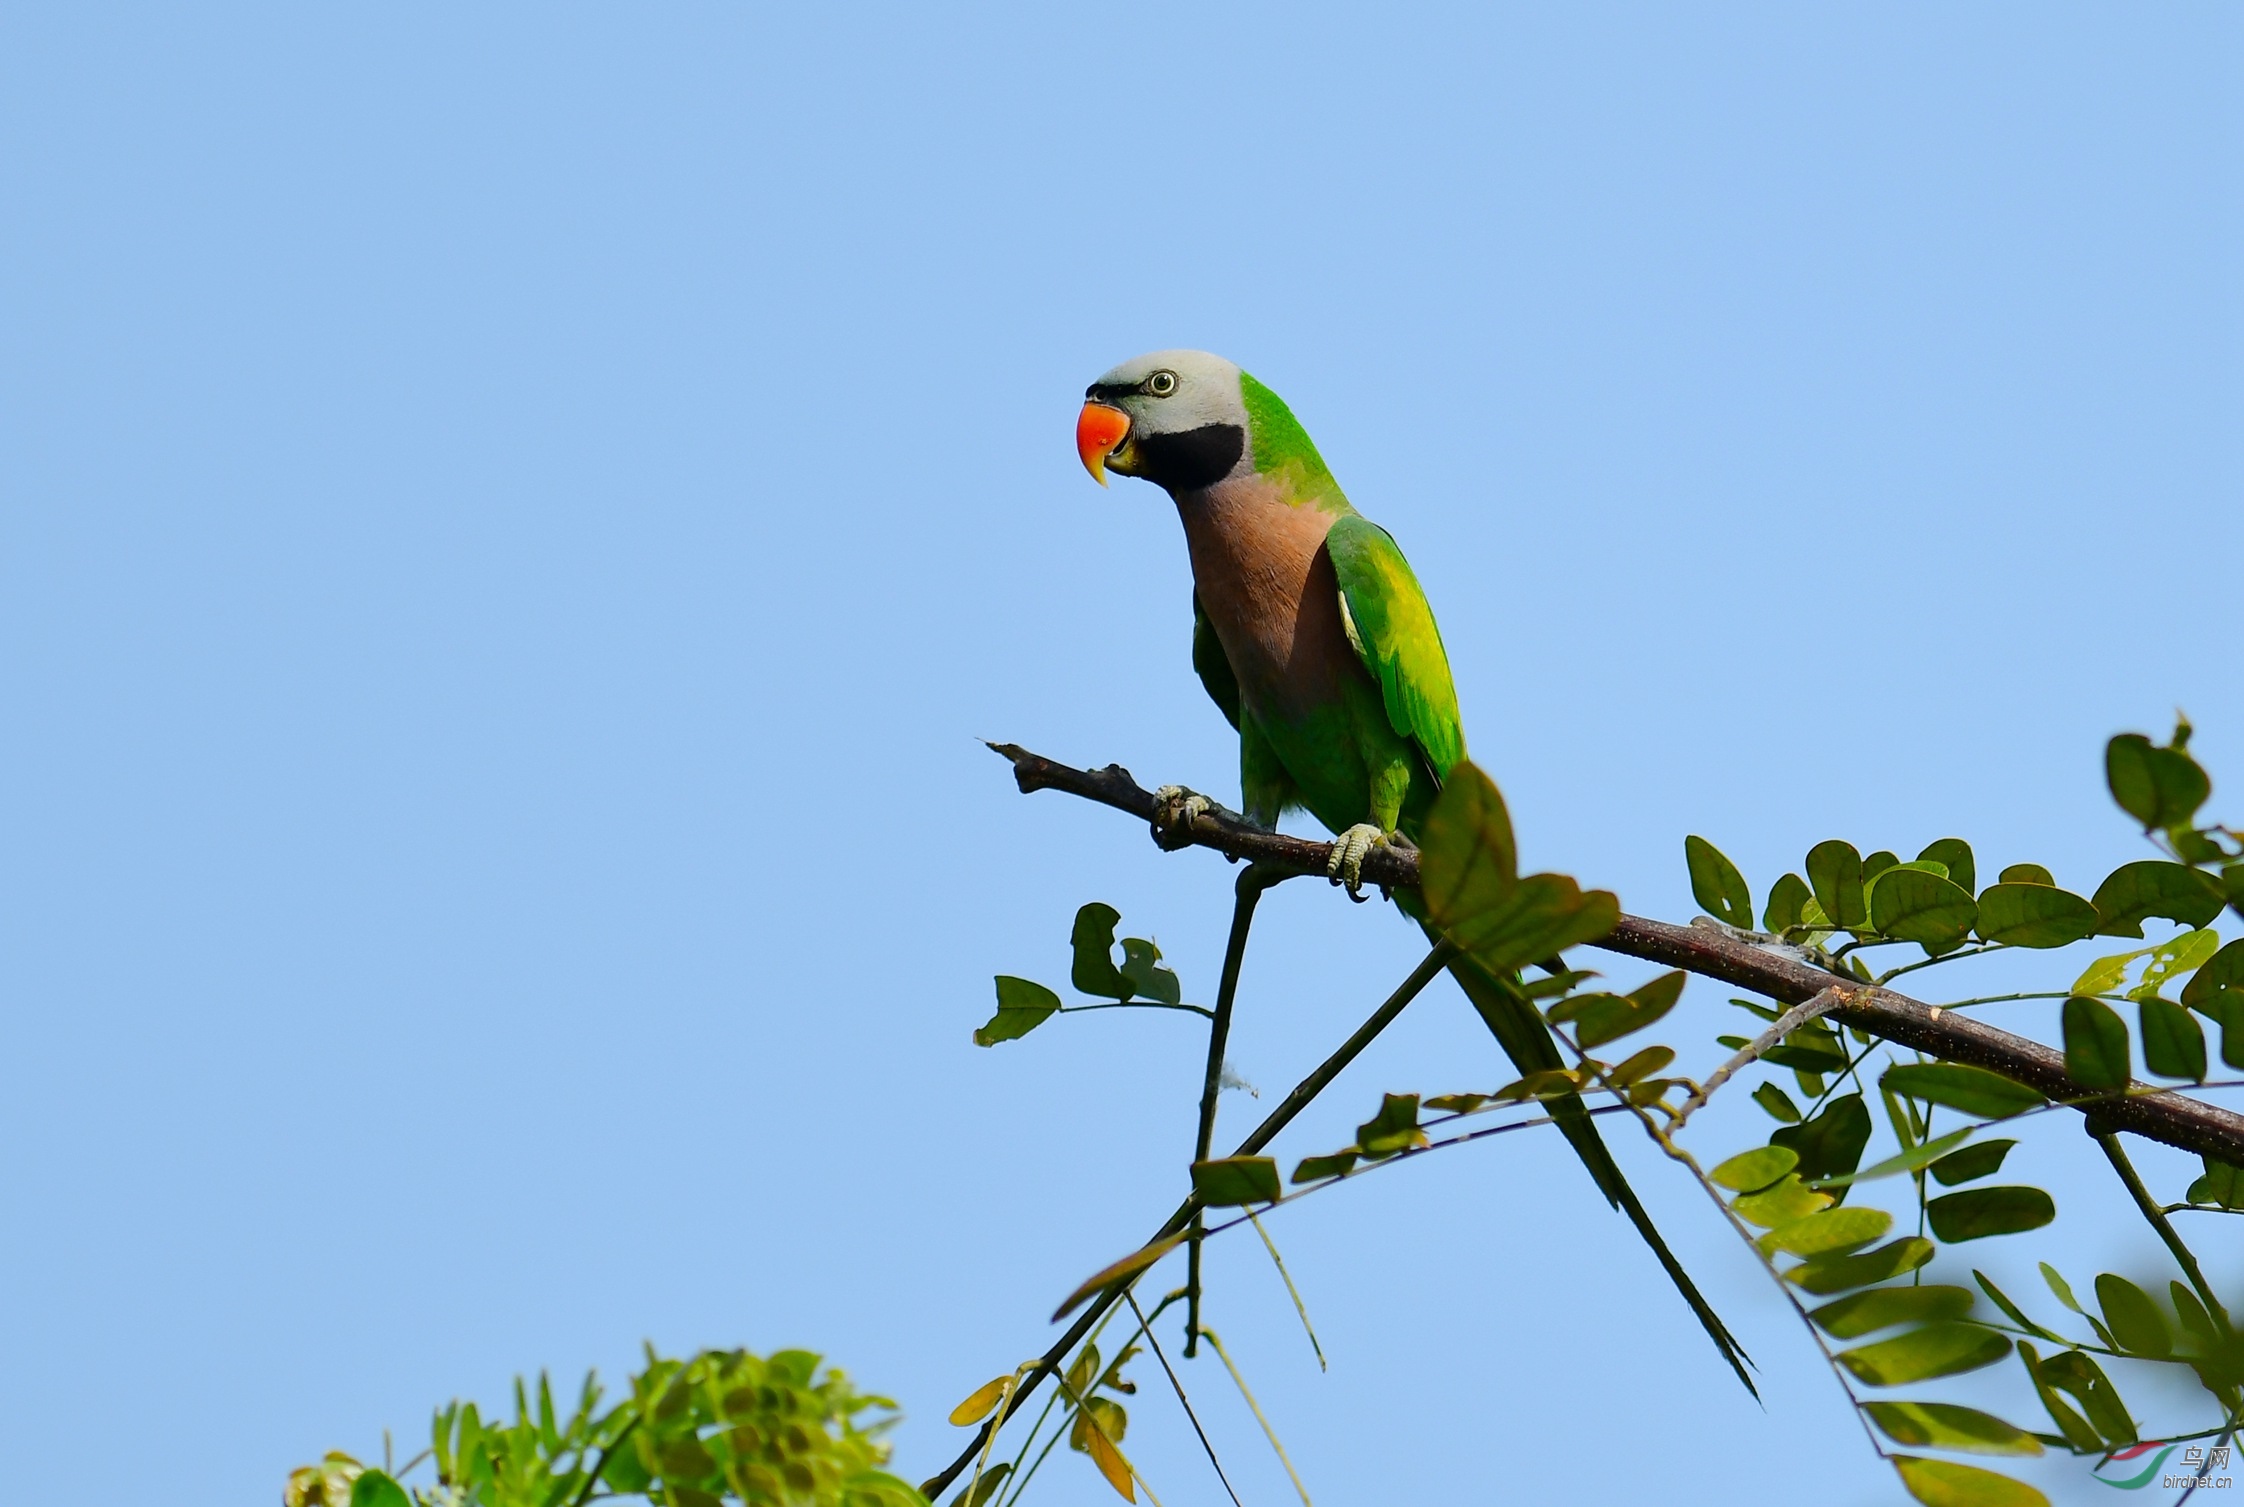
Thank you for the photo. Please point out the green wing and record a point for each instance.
(1392, 631)
(1214, 667)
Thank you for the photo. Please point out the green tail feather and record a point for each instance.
(1527, 1041)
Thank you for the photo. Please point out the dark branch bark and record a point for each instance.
(2153, 1113)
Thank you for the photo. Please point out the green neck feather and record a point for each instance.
(1283, 450)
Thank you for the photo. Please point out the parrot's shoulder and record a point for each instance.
(1391, 627)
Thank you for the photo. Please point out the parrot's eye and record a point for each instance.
(1161, 384)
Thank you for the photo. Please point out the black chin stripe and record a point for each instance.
(1192, 459)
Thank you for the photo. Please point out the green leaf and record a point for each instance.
(1608, 1017)
(1944, 1483)
(1831, 1144)
(1539, 917)
(1642, 1065)
(1983, 1160)
(1833, 1230)
(1142, 970)
(1877, 863)
(2221, 1184)
(2062, 1289)
(1022, 1006)
(1884, 1307)
(2226, 1006)
(2159, 787)
(2134, 892)
(1758, 1168)
(1563, 982)
(1908, 1161)
(1782, 1203)
(1468, 860)
(1129, 1266)
(1835, 874)
(1717, 885)
(1316, 1168)
(981, 1493)
(2026, 873)
(2096, 1054)
(1944, 1425)
(2034, 915)
(2133, 1318)
(1234, 1180)
(373, 1488)
(1977, 1213)
(1939, 1349)
(1918, 906)
(1788, 899)
(1824, 1275)
(1954, 1085)
(1086, 1367)
(2011, 1310)
(2196, 1322)
(2078, 1434)
(1812, 1048)
(980, 1402)
(1393, 1129)
(2105, 975)
(1954, 855)
(1457, 1103)
(2225, 969)
(1093, 939)
(2079, 1374)
(1778, 1103)
(2172, 958)
(2173, 1042)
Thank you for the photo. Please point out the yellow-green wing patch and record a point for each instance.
(1392, 630)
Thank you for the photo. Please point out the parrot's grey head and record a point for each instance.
(1176, 418)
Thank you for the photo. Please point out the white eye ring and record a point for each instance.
(1161, 383)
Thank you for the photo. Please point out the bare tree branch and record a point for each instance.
(2154, 1113)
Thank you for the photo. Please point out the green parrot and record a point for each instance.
(1314, 638)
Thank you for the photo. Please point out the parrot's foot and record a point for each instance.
(1175, 815)
(1348, 850)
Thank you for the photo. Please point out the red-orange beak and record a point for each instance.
(1098, 430)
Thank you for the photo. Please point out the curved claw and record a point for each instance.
(1178, 810)
(1346, 867)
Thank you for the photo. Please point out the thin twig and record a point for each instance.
(2183, 1256)
(1791, 1020)
(1145, 1327)
(584, 1492)
(1256, 1408)
(1256, 879)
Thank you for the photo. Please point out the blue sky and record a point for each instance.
(517, 516)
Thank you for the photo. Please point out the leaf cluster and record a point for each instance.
(721, 1427)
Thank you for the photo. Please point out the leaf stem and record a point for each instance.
(1293, 1292)
(1947, 957)
(1137, 1004)
(584, 1492)
(2109, 1140)
(1256, 1408)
